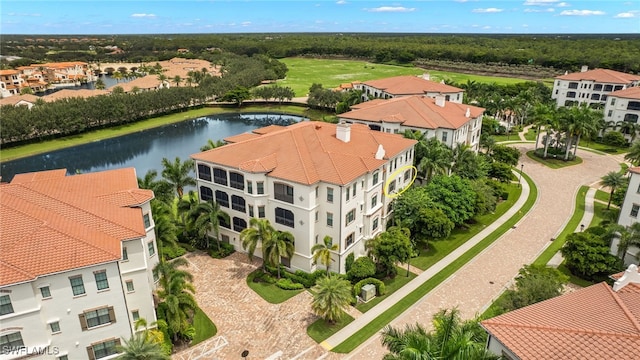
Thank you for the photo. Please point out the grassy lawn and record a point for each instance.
(501, 138)
(531, 134)
(602, 195)
(378, 323)
(391, 285)
(554, 163)
(320, 331)
(205, 328)
(441, 248)
(604, 148)
(270, 292)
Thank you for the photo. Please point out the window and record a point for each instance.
(631, 118)
(224, 238)
(222, 198)
(147, 221)
(608, 87)
(603, 97)
(573, 85)
(634, 210)
(260, 186)
(347, 196)
(354, 189)
(317, 191)
(613, 101)
(250, 187)
(285, 217)
(5, 305)
(375, 177)
(77, 285)
(349, 239)
(571, 94)
(238, 203)
(101, 280)
(283, 192)
(351, 215)
(45, 292)
(317, 216)
(330, 195)
(55, 327)
(236, 180)
(617, 87)
(444, 137)
(11, 341)
(392, 186)
(135, 314)
(329, 219)
(204, 172)
(220, 176)
(129, 284)
(374, 201)
(93, 318)
(152, 248)
(206, 194)
(633, 105)
(251, 211)
(375, 224)
(224, 222)
(239, 224)
(261, 213)
(155, 275)
(638, 191)
(597, 87)
(610, 113)
(103, 349)
(407, 175)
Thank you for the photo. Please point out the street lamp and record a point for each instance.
(245, 354)
(520, 177)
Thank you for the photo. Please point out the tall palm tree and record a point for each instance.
(162, 190)
(633, 156)
(212, 145)
(323, 251)
(613, 180)
(177, 79)
(259, 231)
(209, 221)
(578, 121)
(281, 244)
(436, 160)
(141, 347)
(331, 297)
(627, 235)
(541, 118)
(187, 214)
(176, 294)
(629, 128)
(164, 227)
(421, 138)
(178, 174)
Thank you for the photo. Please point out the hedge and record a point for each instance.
(287, 284)
(380, 288)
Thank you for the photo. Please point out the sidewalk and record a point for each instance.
(387, 303)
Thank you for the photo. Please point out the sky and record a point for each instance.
(334, 16)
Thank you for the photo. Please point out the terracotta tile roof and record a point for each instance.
(309, 152)
(52, 222)
(68, 93)
(268, 129)
(414, 111)
(635, 169)
(410, 85)
(591, 323)
(9, 72)
(601, 75)
(13, 100)
(240, 137)
(143, 83)
(628, 93)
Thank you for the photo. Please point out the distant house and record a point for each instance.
(145, 83)
(623, 106)
(590, 86)
(27, 100)
(11, 82)
(69, 93)
(629, 214)
(596, 322)
(408, 85)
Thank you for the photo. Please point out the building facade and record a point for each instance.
(312, 179)
(623, 106)
(76, 270)
(590, 86)
(629, 215)
(408, 85)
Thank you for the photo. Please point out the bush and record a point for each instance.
(187, 247)
(362, 268)
(172, 252)
(380, 288)
(348, 262)
(287, 284)
(306, 279)
(614, 138)
(259, 276)
(225, 250)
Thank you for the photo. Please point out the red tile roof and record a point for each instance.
(309, 152)
(601, 75)
(410, 85)
(53, 223)
(628, 93)
(414, 111)
(592, 323)
(13, 100)
(69, 93)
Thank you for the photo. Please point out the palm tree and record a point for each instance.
(117, 75)
(411, 343)
(323, 251)
(629, 128)
(633, 156)
(579, 120)
(212, 145)
(176, 293)
(436, 160)
(100, 84)
(187, 214)
(209, 221)
(177, 79)
(421, 138)
(141, 347)
(162, 190)
(627, 236)
(613, 180)
(177, 173)
(164, 228)
(331, 297)
(281, 244)
(259, 231)
(541, 118)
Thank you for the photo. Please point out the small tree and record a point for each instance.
(323, 251)
(587, 255)
(613, 180)
(390, 247)
(362, 268)
(534, 283)
(331, 297)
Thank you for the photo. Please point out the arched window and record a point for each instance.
(204, 172)
(238, 203)
(206, 194)
(239, 224)
(236, 180)
(222, 198)
(220, 176)
(633, 105)
(283, 192)
(631, 118)
(285, 217)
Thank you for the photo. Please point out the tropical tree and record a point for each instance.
(389, 248)
(627, 236)
(176, 294)
(613, 180)
(436, 160)
(177, 173)
(141, 346)
(323, 251)
(208, 221)
(281, 245)
(467, 164)
(259, 231)
(331, 297)
(633, 156)
(187, 214)
(542, 117)
(629, 128)
(117, 75)
(421, 144)
(162, 190)
(177, 79)
(212, 145)
(164, 227)
(534, 283)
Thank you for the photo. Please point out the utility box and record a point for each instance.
(368, 292)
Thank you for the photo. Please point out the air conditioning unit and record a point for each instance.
(368, 292)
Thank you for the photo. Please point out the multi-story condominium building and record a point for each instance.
(10, 83)
(590, 86)
(629, 214)
(623, 105)
(407, 86)
(76, 266)
(312, 179)
(450, 122)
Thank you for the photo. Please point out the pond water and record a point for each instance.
(144, 150)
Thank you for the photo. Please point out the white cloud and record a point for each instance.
(22, 14)
(143, 15)
(539, 2)
(581, 12)
(487, 10)
(341, 2)
(246, 23)
(628, 15)
(391, 9)
(532, 10)
(563, 4)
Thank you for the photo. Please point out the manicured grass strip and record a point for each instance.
(270, 292)
(394, 311)
(205, 328)
(320, 331)
(531, 134)
(598, 211)
(602, 148)
(554, 163)
(391, 285)
(602, 195)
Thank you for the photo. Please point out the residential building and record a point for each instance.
(450, 122)
(10, 83)
(145, 83)
(69, 93)
(596, 322)
(76, 267)
(629, 214)
(27, 100)
(312, 179)
(590, 86)
(623, 105)
(408, 85)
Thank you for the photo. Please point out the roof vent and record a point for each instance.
(468, 113)
(631, 275)
(426, 76)
(380, 152)
(343, 132)
(440, 100)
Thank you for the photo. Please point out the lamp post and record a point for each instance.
(520, 177)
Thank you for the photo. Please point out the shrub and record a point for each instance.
(172, 252)
(259, 276)
(380, 288)
(225, 250)
(299, 276)
(614, 138)
(287, 284)
(187, 247)
(348, 262)
(362, 268)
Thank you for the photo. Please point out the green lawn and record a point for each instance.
(270, 292)
(378, 323)
(391, 285)
(320, 331)
(205, 328)
(554, 163)
(441, 248)
(604, 148)
(602, 195)
(531, 134)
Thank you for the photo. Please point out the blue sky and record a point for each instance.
(247, 16)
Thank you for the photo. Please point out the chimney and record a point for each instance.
(468, 113)
(343, 132)
(440, 100)
(584, 68)
(631, 275)
(426, 76)
(380, 152)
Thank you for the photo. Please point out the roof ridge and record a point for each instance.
(15, 268)
(296, 144)
(623, 307)
(333, 163)
(560, 329)
(422, 114)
